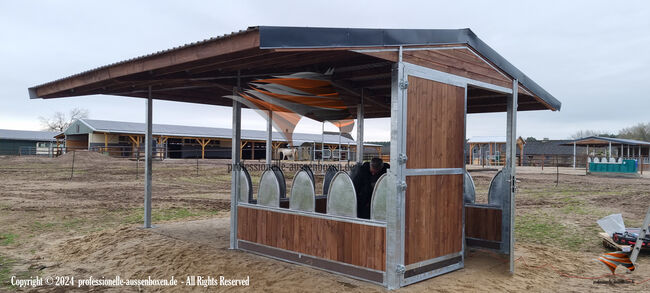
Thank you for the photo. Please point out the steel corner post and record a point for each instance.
(235, 186)
(511, 164)
(148, 144)
(394, 215)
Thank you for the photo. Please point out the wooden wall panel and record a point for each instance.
(483, 223)
(434, 219)
(460, 62)
(435, 124)
(356, 244)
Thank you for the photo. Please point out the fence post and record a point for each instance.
(557, 172)
(72, 169)
(137, 163)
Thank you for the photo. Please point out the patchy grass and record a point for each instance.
(7, 239)
(137, 215)
(6, 266)
(548, 230)
(7, 270)
(38, 226)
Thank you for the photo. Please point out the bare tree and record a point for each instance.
(59, 121)
(640, 131)
(585, 133)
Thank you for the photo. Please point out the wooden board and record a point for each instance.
(435, 128)
(483, 223)
(461, 62)
(351, 243)
(434, 216)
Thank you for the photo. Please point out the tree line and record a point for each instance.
(640, 131)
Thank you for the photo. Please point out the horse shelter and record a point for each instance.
(425, 80)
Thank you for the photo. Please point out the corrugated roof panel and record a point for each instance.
(27, 135)
(210, 132)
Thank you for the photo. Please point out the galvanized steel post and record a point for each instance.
(269, 139)
(360, 118)
(147, 161)
(235, 148)
(511, 158)
(394, 213)
(234, 188)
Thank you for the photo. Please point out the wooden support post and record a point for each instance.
(252, 150)
(471, 147)
(105, 142)
(203, 142)
(241, 148)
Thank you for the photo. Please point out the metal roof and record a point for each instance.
(271, 37)
(27, 135)
(552, 147)
(312, 37)
(486, 139)
(32, 95)
(611, 139)
(208, 132)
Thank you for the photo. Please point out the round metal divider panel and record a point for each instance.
(245, 186)
(498, 188)
(283, 184)
(329, 174)
(269, 191)
(342, 198)
(307, 169)
(303, 195)
(384, 187)
(469, 189)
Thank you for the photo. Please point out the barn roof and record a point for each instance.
(27, 135)
(551, 147)
(109, 126)
(599, 140)
(205, 71)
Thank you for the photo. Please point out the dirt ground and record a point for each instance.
(89, 225)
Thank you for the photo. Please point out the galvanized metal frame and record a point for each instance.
(511, 159)
(446, 78)
(234, 188)
(315, 266)
(394, 205)
(148, 163)
(360, 123)
(269, 139)
(434, 171)
(395, 216)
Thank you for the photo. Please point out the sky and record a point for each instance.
(591, 55)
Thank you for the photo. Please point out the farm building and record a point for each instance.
(26, 142)
(601, 148)
(423, 215)
(125, 139)
(553, 152)
(490, 150)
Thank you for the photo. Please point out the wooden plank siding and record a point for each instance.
(435, 135)
(435, 125)
(351, 243)
(459, 62)
(434, 217)
(483, 223)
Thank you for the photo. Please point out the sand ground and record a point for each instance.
(90, 226)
